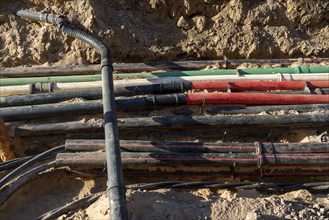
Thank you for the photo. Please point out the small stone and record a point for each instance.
(182, 23)
(316, 206)
(200, 22)
(288, 217)
(104, 210)
(322, 210)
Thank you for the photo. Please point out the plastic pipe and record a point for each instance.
(116, 188)
(191, 147)
(158, 146)
(94, 107)
(254, 99)
(131, 67)
(43, 98)
(120, 84)
(30, 80)
(181, 122)
(194, 159)
(211, 159)
(259, 86)
(180, 174)
(63, 79)
(258, 109)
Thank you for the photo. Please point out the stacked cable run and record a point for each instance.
(179, 125)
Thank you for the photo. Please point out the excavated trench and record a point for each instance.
(168, 31)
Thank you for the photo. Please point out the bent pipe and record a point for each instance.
(116, 188)
(191, 147)
(179, 122)
(131, 67)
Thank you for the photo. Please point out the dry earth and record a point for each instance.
(167, 30)
(162, 30)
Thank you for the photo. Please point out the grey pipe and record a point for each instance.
(116, 186)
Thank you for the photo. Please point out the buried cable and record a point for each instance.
(30, 162)
(22, 179)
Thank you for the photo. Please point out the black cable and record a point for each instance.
(22, 179)
(30, 162)
(78, 204)
(233, 186)
(14, 163)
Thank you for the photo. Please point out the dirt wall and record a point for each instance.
(156, 30)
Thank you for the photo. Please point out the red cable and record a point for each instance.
(254, 99)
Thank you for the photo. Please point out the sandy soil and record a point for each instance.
(157, 30)
(162, 30)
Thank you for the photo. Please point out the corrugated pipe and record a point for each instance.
(121, 84)
(116, 186)
(255, 71)
(133, 67)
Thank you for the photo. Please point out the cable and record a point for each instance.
(14, 163)
(6, 192)
(233, 186)
(78, 204)
(30, 162)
